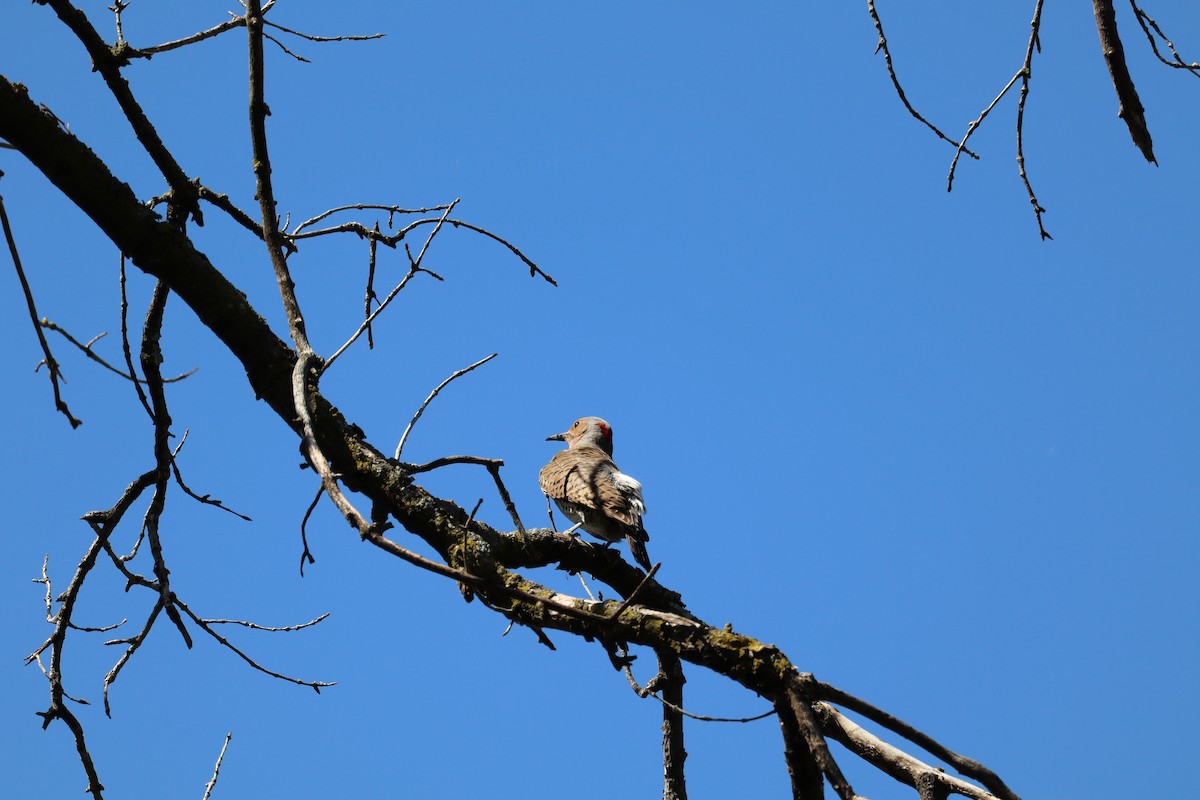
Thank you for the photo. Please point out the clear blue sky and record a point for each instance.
(942, 464)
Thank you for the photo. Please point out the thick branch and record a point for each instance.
(108, 64)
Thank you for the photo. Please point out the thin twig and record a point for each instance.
(633, 595)
(306, 554)
(391, 210)
(887, 57)
(126, 348)
(255, 626)
(285, 49)
(647, 691)
(223, 202)
(311, 38)
(204, 499)
(117, 7)
(1147, 23)
(1026, 76)
(87, 350)
(133, 642)
(372, 246)
(433, 394)
(975, 125)
(57, 640)
(231, 24)
(366, 324)
(51, 365)
(207, 628)
(212, 782)
(494, 470)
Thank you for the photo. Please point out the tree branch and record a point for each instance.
(1130, 108)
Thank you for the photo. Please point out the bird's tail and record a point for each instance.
(638, 548)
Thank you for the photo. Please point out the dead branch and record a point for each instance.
(1130, 105)
(437, 389)
(216, 30)
(674, 754)
(86, 349)
(1148, 24)
(212, 782)
(1026, 75)
(108, 63)
(52, 367)
(891, 70)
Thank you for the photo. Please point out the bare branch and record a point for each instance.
(1026, 75)
(133, 642)
(151, 360)
(889, 759)
(1130, 105)
(184, 200)
(57, 640)
(285, 49)
(369, 295)
(366, 324)
(1147, 24)
(433, 394)
(117, 7)
(207, 628)
(126, 348)
(265, 192)
(391, 210)
(344, 38)
(212, 782)
(257, 627)
(312, 451)
(203, 499)
(674, 754)
(887, 57)
(810, 731)
(51, 365)
(974, 126)
(90, 353)
(306, 554)
(223, 202)
(967, 766)
(807, 781)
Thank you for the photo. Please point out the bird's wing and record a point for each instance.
(586, 476)
(568, 476)
(620, 495)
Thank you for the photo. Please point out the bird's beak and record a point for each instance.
(558, 437)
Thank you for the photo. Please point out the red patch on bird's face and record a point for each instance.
(607, 431)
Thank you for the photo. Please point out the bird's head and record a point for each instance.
(587, 431)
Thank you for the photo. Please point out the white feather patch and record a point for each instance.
(631, 488)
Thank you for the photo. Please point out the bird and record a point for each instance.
(591, 491)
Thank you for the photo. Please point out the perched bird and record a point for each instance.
(590, 491)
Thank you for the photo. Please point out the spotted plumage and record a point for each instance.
(590, 491)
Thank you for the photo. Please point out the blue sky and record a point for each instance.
(944, 465)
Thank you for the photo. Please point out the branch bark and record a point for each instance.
(1130, 108)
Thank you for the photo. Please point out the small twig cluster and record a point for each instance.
(1130, 107)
